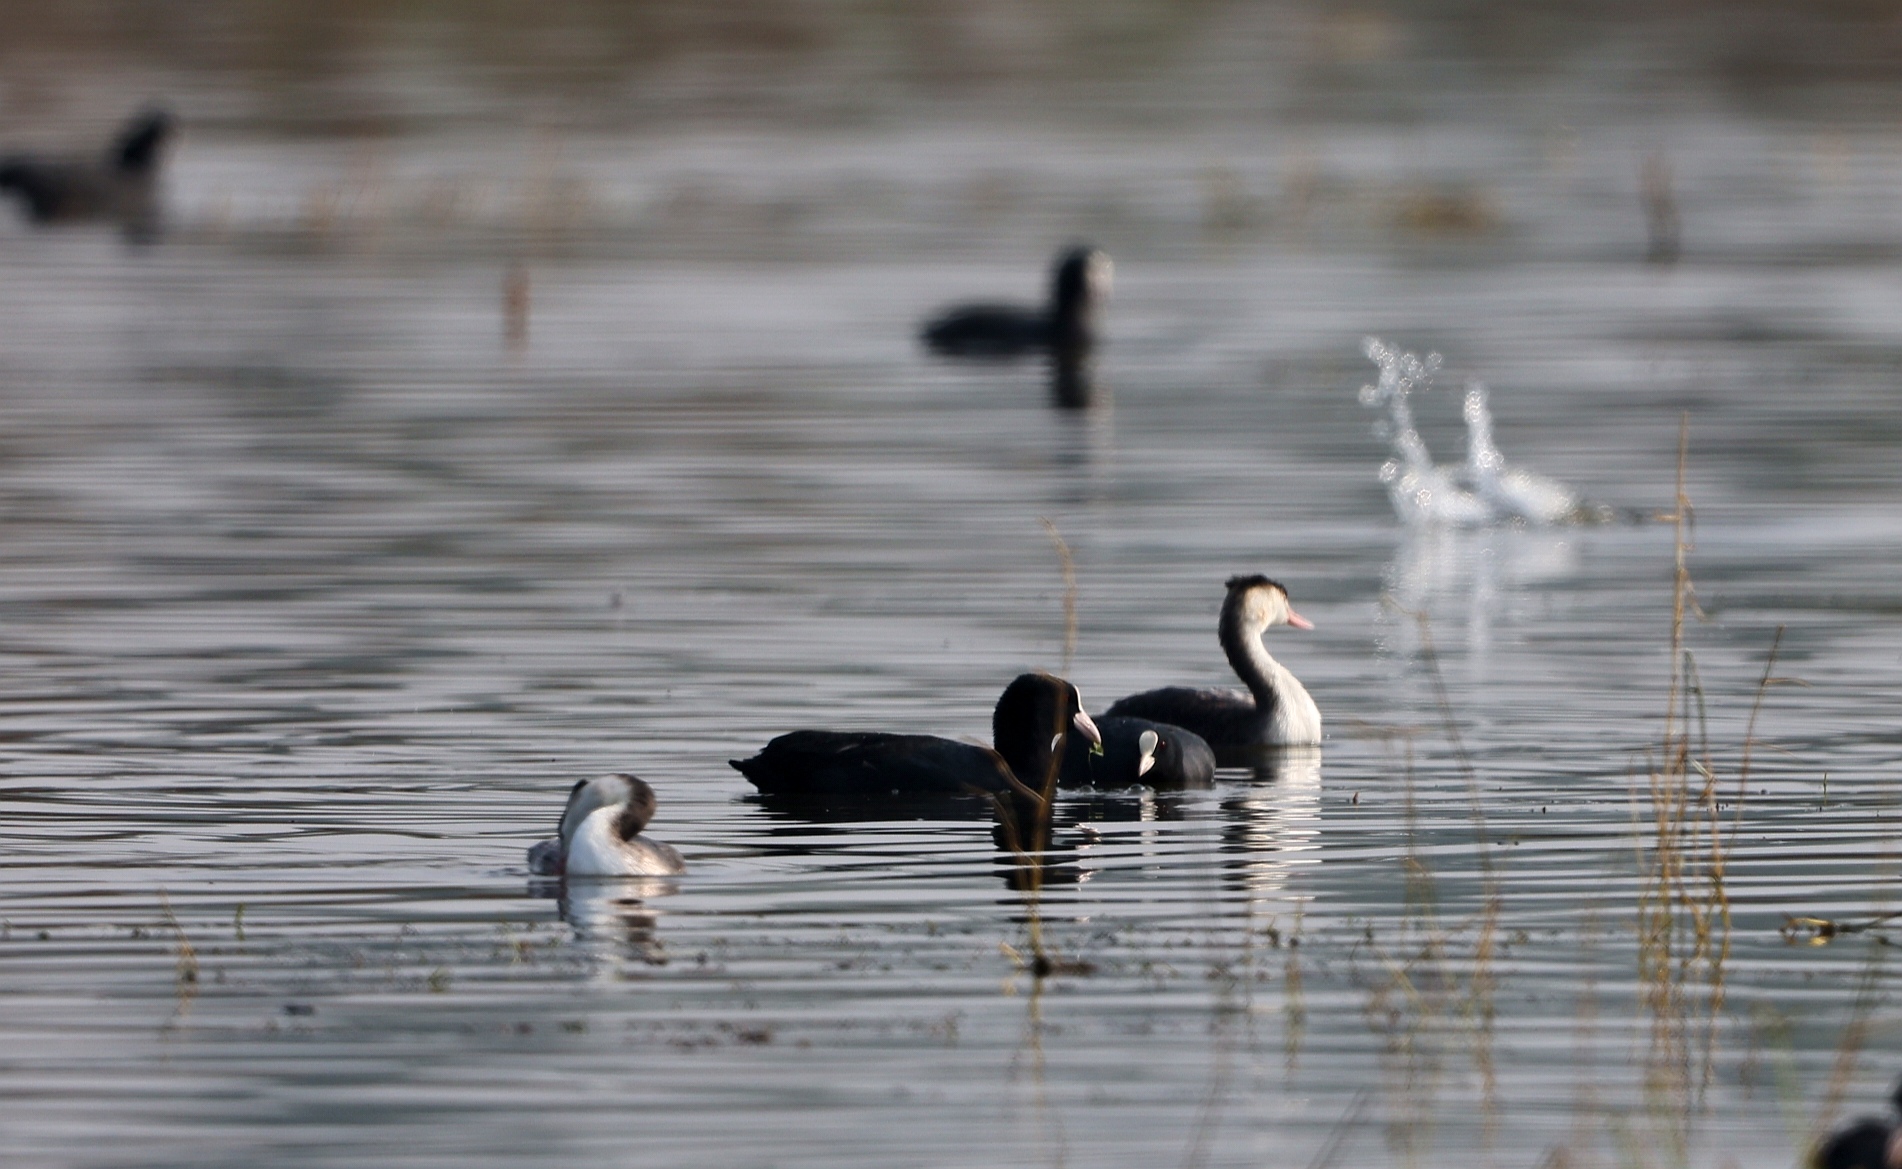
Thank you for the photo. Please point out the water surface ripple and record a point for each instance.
(316, 598)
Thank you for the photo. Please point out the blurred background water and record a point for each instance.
(518, 393)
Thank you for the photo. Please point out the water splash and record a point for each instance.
(1486, 490)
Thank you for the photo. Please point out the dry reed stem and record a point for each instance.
(1663, 224)
(185, 979)
(1855, 1035)
(1663, 965)
(1208, 1114)
(1031, 851)
(1293, 1002)
(515, 307)
(1052, 1127)
(1476, 1005)
(1069, 592)
(1330, 1149)
(1750, 732)
(1231, 1011)
(1030, 867)
(1585, 1107)
(1684, 912)
(187, 973)
(1440, 989)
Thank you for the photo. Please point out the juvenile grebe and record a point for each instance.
(600, 834)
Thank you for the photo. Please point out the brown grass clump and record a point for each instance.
(1683, 850)
(1432, 211)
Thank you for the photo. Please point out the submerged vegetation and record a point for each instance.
(1684, 920)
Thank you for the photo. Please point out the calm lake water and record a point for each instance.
(318, 593)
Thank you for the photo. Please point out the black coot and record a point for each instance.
(1863, 1144)
(119, 186)
(1033, 719)
(1276, 711)
(1067, 325)
(1137, 751)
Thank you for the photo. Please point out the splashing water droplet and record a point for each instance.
(1486, 490)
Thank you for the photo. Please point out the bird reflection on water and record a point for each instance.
(1065, 330)
(1271, 828)
(828, 817)
(1269, 820)
(611, 911)
(1484, 576)
(1073, 379)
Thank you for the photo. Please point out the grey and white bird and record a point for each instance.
(1276, 710)
(600, 834)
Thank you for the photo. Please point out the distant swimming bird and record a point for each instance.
(1277, 710)
(1863, 1144)
(600, 834)
(120, 186)
(1065, 327)
(1137, 751)
(1034, 718)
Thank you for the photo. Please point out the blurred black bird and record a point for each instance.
(1863, 1144)
(119, 186)
(1067, 325)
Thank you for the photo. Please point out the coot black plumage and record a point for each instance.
(1277, 711)
(120, 186)
(1134, 751)
(1032, 721)
(1863, 1144)
(1065, 326)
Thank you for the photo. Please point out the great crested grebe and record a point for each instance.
(1275, 712)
